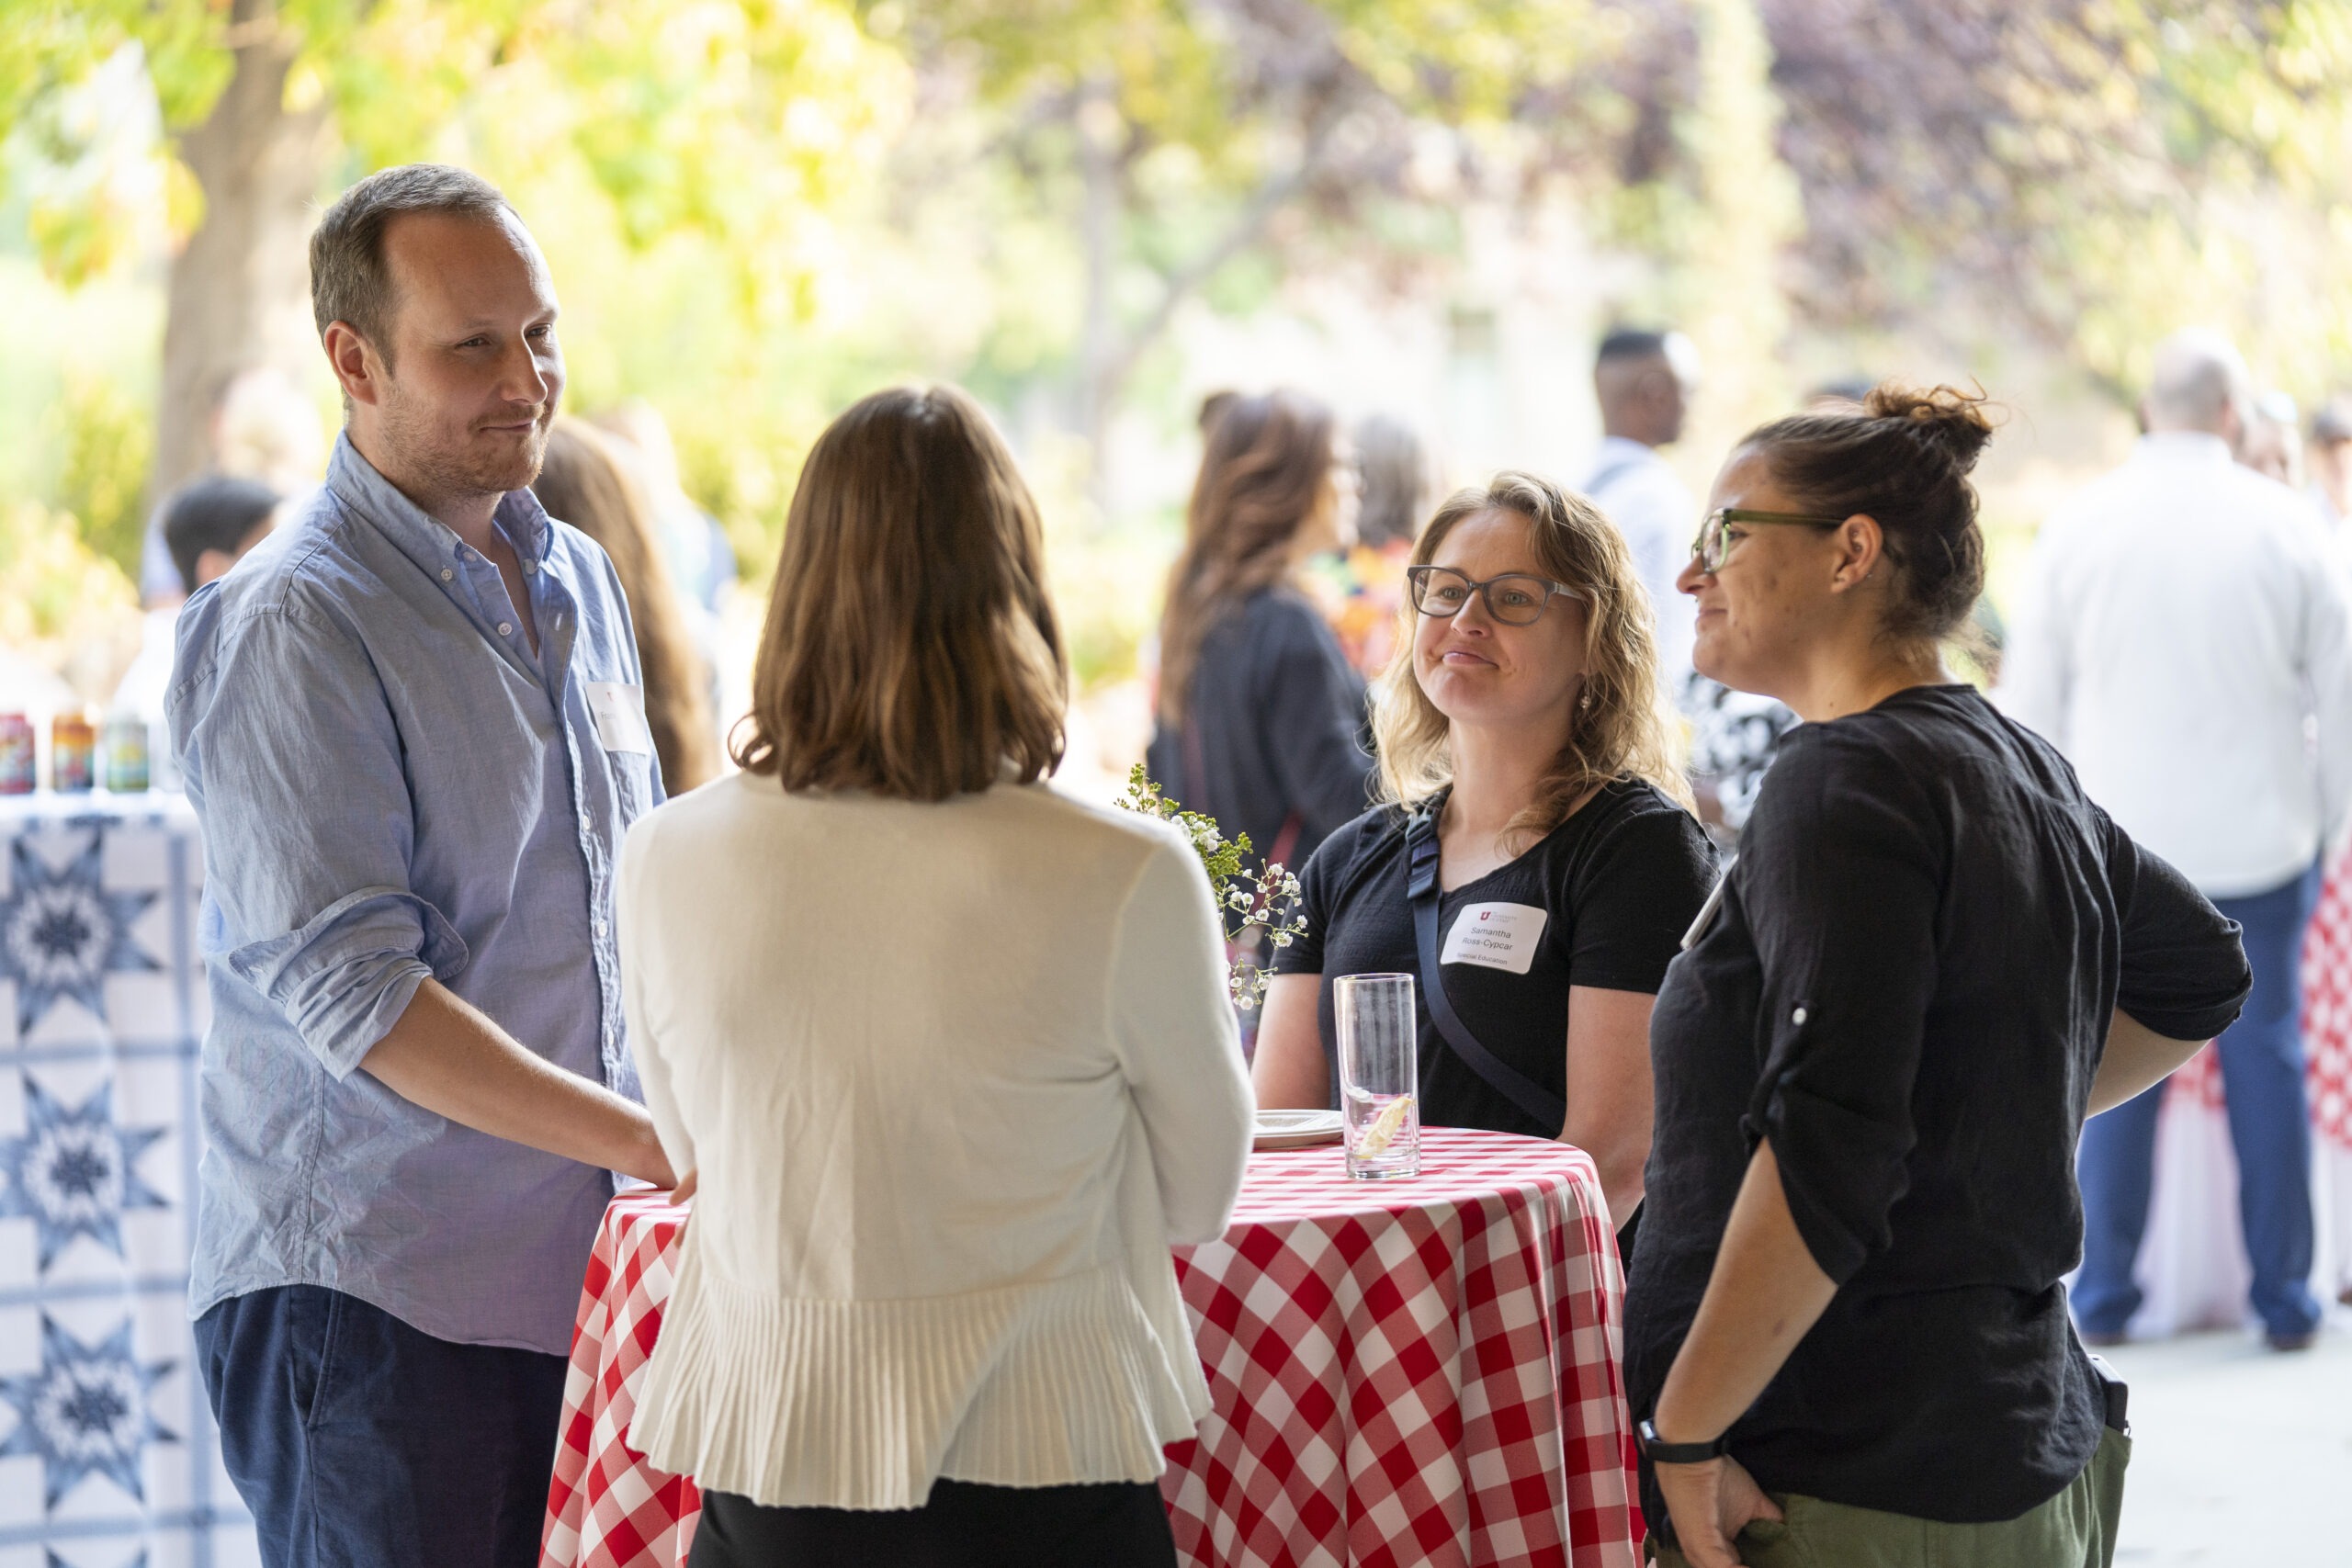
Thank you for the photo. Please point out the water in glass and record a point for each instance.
(1379, 1074)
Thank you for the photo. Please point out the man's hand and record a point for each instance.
(684, 1190)
(1711, 1504)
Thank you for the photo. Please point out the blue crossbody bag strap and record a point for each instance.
(1546, 1108)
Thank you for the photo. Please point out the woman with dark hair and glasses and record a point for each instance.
(1534, 863)
(1847, 1338)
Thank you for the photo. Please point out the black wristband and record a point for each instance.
(1658, 1450)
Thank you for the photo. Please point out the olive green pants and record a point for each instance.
(2074, 1529)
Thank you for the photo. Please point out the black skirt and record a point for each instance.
(963, 1525)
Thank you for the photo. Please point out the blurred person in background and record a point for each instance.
(948, 1052)
(1846, 1332)
(584, 482)
(1534, 865)
(2273, 443)
(1260, 714)
(702, 562)
(1366, 584)
(409, 727)
(208, 527)
(2329, 459)
(1644, 381)
(264, 427)
(1841, 394)
(2183, 640)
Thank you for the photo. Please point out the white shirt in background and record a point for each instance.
(1639, 492)
(2183, 640)
(952, 1076)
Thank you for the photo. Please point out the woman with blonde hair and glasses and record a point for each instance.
(1535, 864)
(949, 1055)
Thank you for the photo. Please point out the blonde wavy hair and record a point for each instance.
(1624, 731)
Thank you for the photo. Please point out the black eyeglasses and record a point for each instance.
(1516, 598)
(1715, 541)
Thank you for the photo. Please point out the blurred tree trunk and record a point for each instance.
(239, 293)
(1107, 354)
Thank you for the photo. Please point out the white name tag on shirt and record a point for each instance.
(619, 712)
(1496, 936)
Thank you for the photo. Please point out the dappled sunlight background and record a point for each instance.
(1093, 213)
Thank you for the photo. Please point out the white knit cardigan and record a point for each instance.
(954, 1076)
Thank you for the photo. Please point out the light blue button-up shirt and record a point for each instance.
(393, 785)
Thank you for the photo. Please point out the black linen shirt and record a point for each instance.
(1907, 991)
(1615, 886)
(1275, 717)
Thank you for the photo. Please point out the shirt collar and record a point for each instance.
(2185, 446)
(424, 538)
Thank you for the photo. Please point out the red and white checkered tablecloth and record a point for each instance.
(1401, 1373)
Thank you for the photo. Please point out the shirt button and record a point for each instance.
(600, 925)
(447, 574)
(530, 565)
(1798, 1016)
(506, 628)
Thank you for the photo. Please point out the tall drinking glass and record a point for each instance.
(1379, 1074)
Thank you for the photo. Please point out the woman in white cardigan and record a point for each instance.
(948, 1053)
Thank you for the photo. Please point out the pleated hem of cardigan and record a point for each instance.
(864, 1404)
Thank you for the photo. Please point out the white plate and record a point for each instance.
(1295, 1129)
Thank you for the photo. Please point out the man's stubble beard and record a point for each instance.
(422, 447)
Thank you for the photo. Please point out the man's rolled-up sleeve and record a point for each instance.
(1839, 881)
(294, 762)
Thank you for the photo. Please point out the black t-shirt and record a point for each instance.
(1907, 991)
(1601, 901)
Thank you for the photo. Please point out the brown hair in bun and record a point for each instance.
(1903, 457)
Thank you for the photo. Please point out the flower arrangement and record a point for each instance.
(1263, 903)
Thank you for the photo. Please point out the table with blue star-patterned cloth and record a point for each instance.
(107, 1454)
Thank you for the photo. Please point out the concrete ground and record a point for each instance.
(2240, 1455)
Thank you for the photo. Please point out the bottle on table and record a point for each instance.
(73, 748)
(122, 752)
(17, 775)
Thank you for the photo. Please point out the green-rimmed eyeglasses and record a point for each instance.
(1715, 541)
(1516, 598)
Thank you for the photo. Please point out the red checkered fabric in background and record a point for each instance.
(2327, 1018)
(1402, 1373)
(2327, 1006)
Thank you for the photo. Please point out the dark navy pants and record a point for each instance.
(2262, 1078)
(359, 1442)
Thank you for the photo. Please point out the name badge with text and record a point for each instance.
(1496, 936)
(619, 712)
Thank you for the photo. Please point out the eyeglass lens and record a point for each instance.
(1512, 599)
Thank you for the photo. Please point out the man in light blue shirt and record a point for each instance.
(410, 723)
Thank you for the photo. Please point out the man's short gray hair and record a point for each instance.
(2197, 377)
(349, 282)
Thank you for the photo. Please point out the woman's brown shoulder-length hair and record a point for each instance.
(910, 647)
